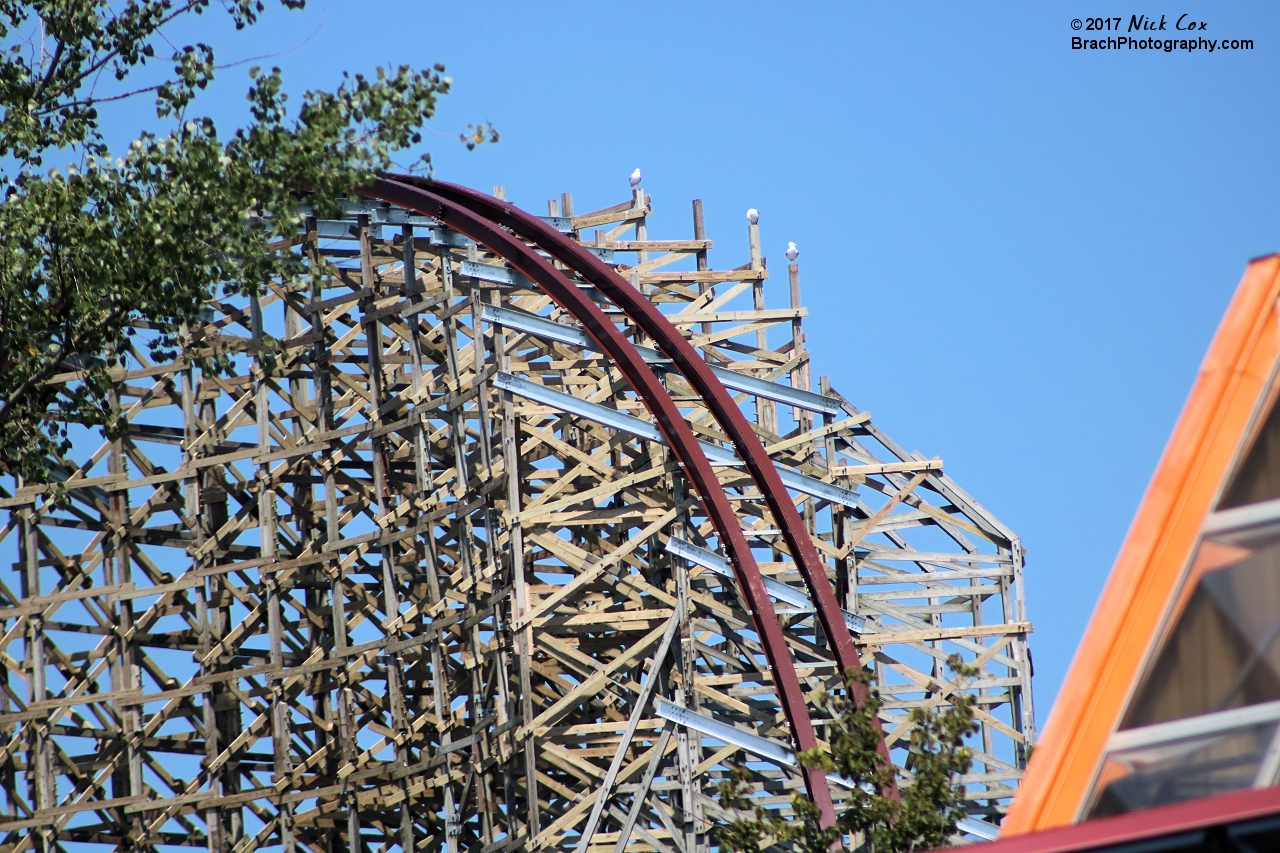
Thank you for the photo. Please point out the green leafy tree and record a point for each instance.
(922, 817)
(109, 244)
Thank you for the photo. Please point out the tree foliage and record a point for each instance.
(923, 817)
(108, 244)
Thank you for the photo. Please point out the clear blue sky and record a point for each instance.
(1014, 254)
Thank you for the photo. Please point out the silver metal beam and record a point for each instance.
(563, 224)
(495, 273)
(764, 747)
(817, 488)
(777, 391)
(712, 561)
(577, 406)
(379, 212)
(629, 423)
(780, 754)
(533, 324)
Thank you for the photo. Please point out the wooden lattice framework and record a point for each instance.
(303, 601)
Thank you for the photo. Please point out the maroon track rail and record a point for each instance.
(674, 428)
(717, 398)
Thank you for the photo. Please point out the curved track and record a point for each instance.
(679, 436)
(718, 399)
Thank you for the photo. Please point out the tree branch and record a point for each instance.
(89, 101)
(8, 404)
(48, 77)
(107, 57)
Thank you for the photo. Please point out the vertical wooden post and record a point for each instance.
(443, 696)
(519, 587)
(800, 379)
(800, 374)
(201, 514)
(688, 744)
(328, 701)
(39, 775)
(304, 495)
(766, 411)
(127, 781)
(481, 358)
(412, 287)
(642, 234)
(346, 705)
(466, 556)
(282, 765)
(642, 225)
(370, 280)
(1016, 610)
(700, 233)
(222, 703)
(8, 771)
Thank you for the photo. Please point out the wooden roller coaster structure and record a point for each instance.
(499, 532)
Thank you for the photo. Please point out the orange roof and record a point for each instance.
(1148, 580)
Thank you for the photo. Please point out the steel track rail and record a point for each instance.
(713, 392)
(674, 428)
